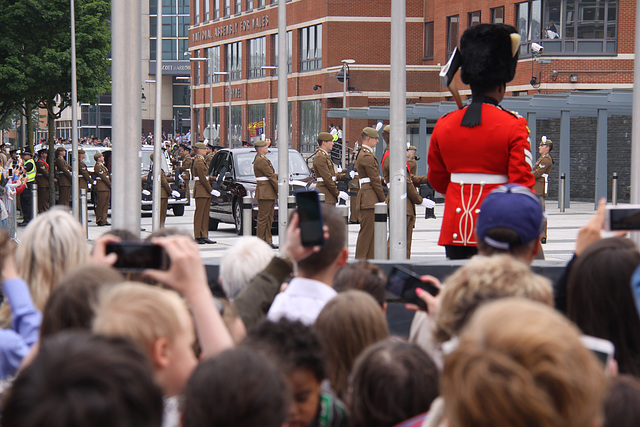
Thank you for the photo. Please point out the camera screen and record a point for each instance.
(134, 256)
(625, 219)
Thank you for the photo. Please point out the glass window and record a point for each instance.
(497, 15)
(275, 122)
(238, 6)
(169, 49)
(311, 48)
(227, 7)
(168, 7)
(169, 27)
(236, 126)
(213, 65)
(257, 114)
(249, 5)
(183, 7)
(310, 117)
(234, 60)
(428, 40)
(181, 94)
(183, 48)
(474, 18)
(289, 49)
(206, 10)
(452, 34)
(257, 56)
(196, 12)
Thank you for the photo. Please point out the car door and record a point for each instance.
(221, 165)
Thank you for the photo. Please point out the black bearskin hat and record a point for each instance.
(487, 59)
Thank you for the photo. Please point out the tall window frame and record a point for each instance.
(453, 30)
(234, 60)
(474, 18)
(289, 50)
(175, 29)
(257, 57)
(311, 48)
(497, 15)
(428, 40)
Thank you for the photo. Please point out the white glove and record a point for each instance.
(428, 203)
(175, 194)
(352, 174)
(146, 192)
(343, 196)
(339, 169)
(215, 193)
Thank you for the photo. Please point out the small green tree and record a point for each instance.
(35, 56)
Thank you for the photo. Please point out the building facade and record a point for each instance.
(587, 45)
(95, 119)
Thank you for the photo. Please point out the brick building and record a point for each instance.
(588, 44)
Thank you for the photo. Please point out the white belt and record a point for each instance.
(364, 180)
(196, 178)
(479, 178)
(320, 179)
(262, 178)
(98, 178)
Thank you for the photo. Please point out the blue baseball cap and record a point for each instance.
(514, 207)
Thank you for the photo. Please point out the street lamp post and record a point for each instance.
(345, 77)
(228, 74)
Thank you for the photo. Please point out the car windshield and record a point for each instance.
(244, 163)
(145, 162)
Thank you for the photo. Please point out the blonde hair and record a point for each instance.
(241, 262)
(52, 245)
(484, 279)
(521, 363)
(348, 324)
(141, 313)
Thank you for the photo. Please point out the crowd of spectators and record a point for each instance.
(301, 338)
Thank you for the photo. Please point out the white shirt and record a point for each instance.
(303, 300)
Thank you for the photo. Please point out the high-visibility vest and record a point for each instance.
(31, 176)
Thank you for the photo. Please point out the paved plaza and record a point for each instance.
(562, 231)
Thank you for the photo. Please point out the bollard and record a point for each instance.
(247, 215)
(12, 221)
(561, 196)
(83, 211)
(344, 212)
(380, 231)
(34, 200)
(614, 189)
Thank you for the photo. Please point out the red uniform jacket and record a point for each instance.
(500, 145)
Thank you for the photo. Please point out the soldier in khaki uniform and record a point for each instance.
(165, 191)
(202, 192)
(103, 190)
(266, 190)
(83, 173)
(370, 192)
(184, 166)
(324, 169)
(209, 156)
(63, 175)
(541, 171)
(42, 180)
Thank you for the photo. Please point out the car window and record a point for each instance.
(244, 164)
(297, 165)
(145, 161)
(219, 163)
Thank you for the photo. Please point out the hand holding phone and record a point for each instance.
(138, 256)
(404, 283)
(311, 222)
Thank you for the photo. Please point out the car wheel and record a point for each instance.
(213, 224)
(178, 210)
(237, 217)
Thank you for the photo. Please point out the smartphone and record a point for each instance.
(403, 283)
(138, 256)
(311, 222)
(10, 172)
(622, 217)
(603, 349)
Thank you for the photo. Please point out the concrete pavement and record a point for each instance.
(562, 230)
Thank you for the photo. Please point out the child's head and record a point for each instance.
(156, 319)
(297, 351)
(247, 388)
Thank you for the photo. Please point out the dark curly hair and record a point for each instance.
(290, 345)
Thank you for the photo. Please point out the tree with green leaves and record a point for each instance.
(35, 56)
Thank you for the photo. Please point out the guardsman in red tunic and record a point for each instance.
(475, 149)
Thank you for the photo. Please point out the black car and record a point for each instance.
(231, 170)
